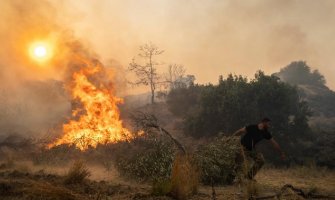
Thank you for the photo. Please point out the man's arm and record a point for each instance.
(277, 148)
(240, 132)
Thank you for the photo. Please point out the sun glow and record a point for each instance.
(40, 51)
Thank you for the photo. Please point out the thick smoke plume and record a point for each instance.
(34, 98)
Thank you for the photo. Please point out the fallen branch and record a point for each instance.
(148, 121)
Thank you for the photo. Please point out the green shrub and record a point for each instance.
(146, 158)
(217, 160)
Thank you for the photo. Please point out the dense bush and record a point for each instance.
(154, 159)
(236, 102)
(146, 158)
(322, 151)
(217, 160)
(182, 100)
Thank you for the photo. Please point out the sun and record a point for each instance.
(40, 51)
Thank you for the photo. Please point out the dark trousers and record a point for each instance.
(248, 163)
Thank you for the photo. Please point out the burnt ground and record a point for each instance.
(23, 182)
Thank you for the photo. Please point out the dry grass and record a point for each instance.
(305, 177)
(43, 190)
(21, 185)
(311, 170)
(107, 164)
(9, 163)
(184, 177)
(77, 173)
(161, 187)
(251, 189)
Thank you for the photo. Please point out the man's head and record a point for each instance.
(266, 122)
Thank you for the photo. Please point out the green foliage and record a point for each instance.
(323, 149)
(147, 158)
(222, 108)
(321, 100)
(217, 160)
(182, 100)
(236, 102)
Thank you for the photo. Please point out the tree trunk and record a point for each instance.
(152, 80)
(152, 96)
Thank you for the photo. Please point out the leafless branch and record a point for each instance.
(148, 121)
(147, 73)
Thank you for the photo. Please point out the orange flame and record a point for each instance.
(98, 119)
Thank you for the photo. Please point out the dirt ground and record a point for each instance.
(25, 181)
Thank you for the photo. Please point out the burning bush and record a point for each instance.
(217, 160)
(147, 158)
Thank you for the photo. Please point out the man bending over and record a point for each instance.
(253, 134)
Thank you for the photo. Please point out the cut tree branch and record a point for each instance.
(146, 121)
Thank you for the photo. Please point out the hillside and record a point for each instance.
(312, 88)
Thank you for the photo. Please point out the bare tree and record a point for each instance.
(147, 73)
(175, 73)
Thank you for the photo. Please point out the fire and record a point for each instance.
(97, 121)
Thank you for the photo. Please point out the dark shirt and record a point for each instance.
(253, 136)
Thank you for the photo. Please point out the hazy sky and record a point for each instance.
(212, 37)
(209, 37)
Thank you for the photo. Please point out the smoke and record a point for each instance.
(30, 102)
(208, 37)
(214, 37)
(34, 97)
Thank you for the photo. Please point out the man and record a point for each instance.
(253, 134)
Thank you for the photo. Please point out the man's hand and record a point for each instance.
(277, 147)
